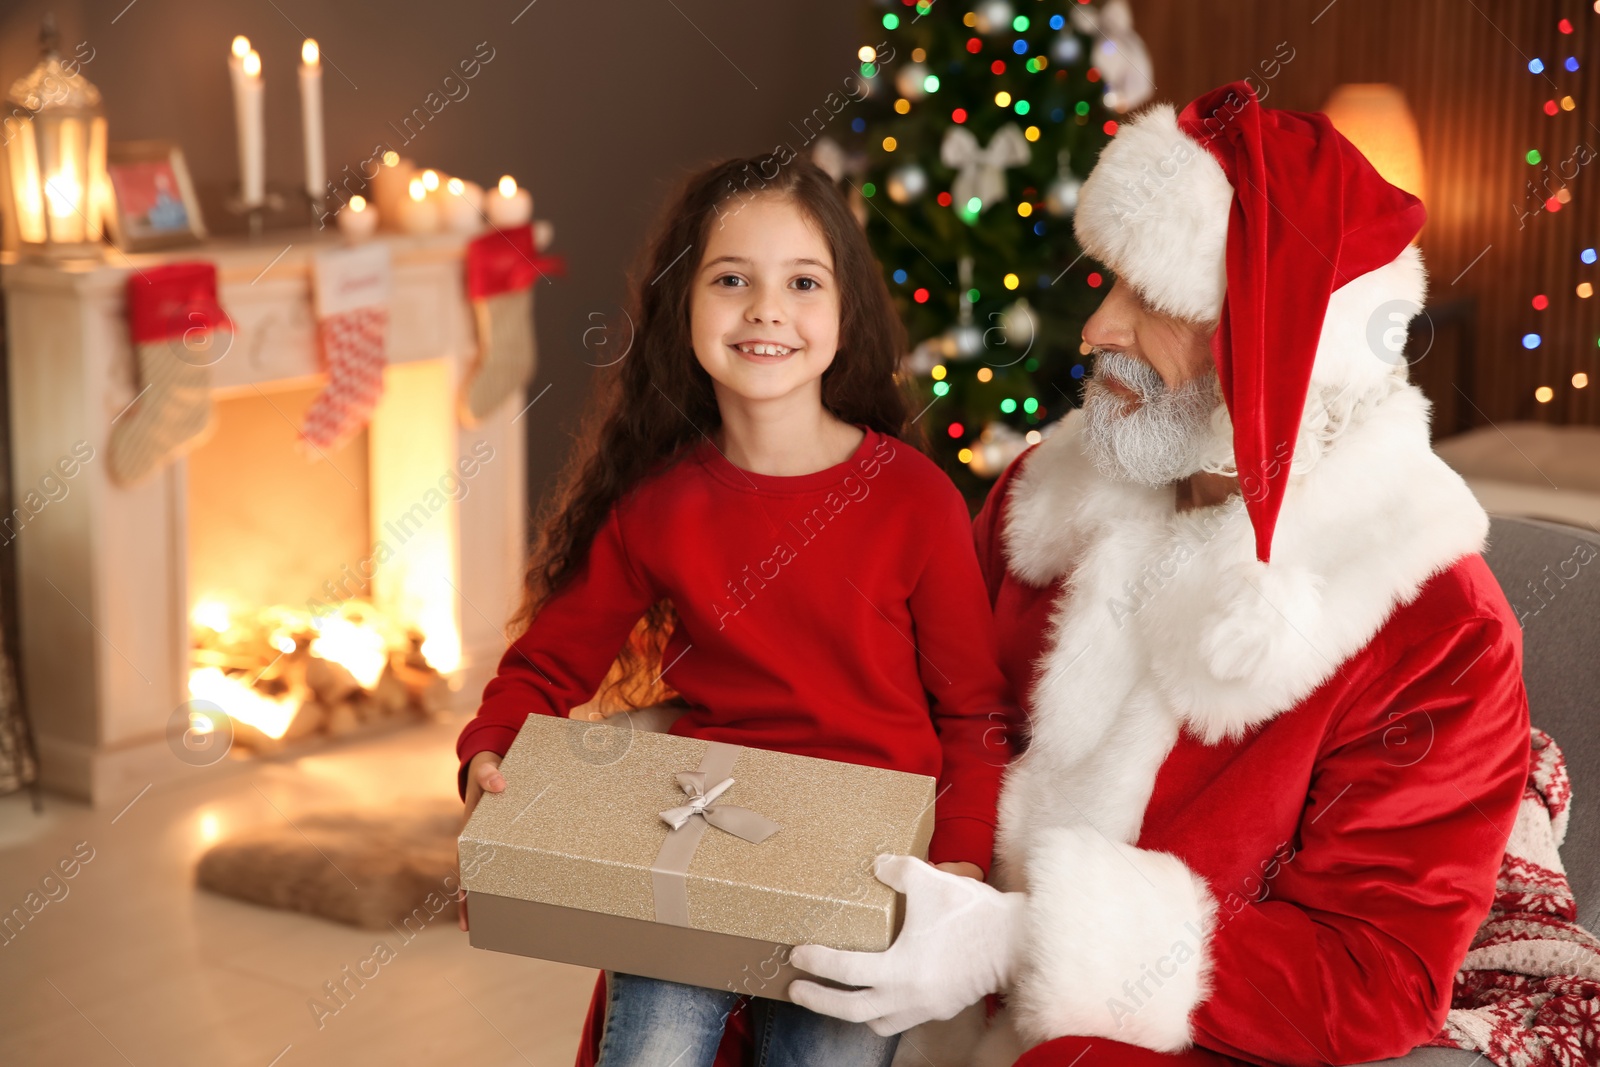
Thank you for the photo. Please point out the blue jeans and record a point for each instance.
(652, 1023)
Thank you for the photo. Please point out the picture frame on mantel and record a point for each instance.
(152, 198)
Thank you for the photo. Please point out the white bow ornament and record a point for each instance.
(981, 171)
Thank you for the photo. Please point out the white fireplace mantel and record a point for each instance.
(103, 603)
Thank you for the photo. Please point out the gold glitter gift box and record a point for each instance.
(579, 860)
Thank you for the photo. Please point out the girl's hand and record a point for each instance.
(483, 775)
(966, 870)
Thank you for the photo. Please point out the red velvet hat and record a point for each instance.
(1253, 218)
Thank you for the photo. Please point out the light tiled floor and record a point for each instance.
(134, 965)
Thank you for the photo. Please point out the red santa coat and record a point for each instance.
(1262, 808)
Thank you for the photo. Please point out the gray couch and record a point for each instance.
(1561, 665)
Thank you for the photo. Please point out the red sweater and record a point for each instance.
(839, 614)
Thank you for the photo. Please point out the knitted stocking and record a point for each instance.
(178, 331)
(506, 353)
(352, 298)
(501, 269)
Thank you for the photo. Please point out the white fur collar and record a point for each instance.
(1178, 601)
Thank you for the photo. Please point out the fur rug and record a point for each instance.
(369, 867)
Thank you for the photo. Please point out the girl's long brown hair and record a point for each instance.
(657, 400)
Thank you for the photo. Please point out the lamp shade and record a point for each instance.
(1375, 118)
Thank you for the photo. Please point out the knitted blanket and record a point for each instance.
(1528, 994)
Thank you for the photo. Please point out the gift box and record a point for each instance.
(694, 861)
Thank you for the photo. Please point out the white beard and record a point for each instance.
(1168, 436)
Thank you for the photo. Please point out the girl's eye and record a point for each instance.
(731, 280)
(807, 284)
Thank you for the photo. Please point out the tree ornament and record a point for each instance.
(997, 445)
(981, 171)
(1061, 198)
(910, 80)
(1119, 53)
(907, 183)
(994, 16)
(1066, 49)
(1020, 324)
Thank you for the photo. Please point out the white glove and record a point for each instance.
(958, 944)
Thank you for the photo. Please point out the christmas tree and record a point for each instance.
(969, 156)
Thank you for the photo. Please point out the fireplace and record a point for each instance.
(307, 598)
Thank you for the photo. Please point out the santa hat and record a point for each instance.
(1274, 226)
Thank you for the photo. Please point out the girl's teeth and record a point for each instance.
(764, 350)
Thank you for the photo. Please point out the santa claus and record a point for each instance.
(1277, 731)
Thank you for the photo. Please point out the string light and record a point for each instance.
(985, 374)
(1012, 281)
(1580, 380)
(938, 372)
(1544, 394)
(1008, 405)
(1533, 157)
(890, 144)
(1541, 302)
(941, 388)
(1024, 209)
(1530, 340)
(1585, 290)
(1031, 133)
(900, 277)
(1094, 279)
(1588, 255)
(964, 456)
(956, 430)
(867, 54)
(1034, 436)
(920, 296)
(1003, 98)
(902, 106)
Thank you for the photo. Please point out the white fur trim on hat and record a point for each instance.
(1155, 211)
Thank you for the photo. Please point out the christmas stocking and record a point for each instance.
(178, 330)
(352, 306)
(501, 270)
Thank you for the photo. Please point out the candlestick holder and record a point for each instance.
(321, 207)
(255, 214)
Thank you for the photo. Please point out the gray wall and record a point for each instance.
(596, 105)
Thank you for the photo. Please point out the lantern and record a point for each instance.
(55, 136)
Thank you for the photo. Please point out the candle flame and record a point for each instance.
(391, 158)
(417, 191)
(430, 178)
(456, 186)
(309, 54)
(241, 46)
(252, 64)
(508, 186)
(358, 204)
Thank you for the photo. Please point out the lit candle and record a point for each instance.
(418, 214)
(509, 206)
(390, 187)
(249, 99)
(311, 116)
(358, 220)
(463, 206)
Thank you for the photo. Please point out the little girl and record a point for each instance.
(802, 578)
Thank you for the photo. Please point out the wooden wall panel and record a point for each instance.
(1463, 65)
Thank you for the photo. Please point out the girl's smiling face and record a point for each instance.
(764, 306)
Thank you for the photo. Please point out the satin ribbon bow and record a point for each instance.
(741, 822)
(981, 171)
